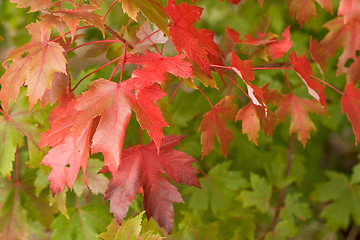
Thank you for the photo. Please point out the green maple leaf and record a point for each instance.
(294, 208)
(18, 123)
(344, 201)
(260, 196)
(83, 223)
(218, 189)
(20, 207)
(283, 230)
(129, 230)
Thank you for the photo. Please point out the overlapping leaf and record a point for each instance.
(154, 68)
(303, 10)
(130, 230)
(142, 169)
(72, 18)
(214, 124)
(350, 103)
(113, 102)
(303, 68)
(85, 222)
(340, 35)
(36, 69)
(299, 109)
(17, 124)
(273, 48)
(152, 10)
(196, 43)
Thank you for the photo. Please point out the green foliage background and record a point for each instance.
(239, 194)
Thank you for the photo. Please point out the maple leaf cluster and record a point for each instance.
(96, 121)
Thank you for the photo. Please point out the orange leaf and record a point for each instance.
(299, 109)
(214, 124)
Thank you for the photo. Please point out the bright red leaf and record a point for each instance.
(154, 68)
(113, 102)
(274, 48)
(299, 109)
(350, 10)
(65, 160)
(277, 49)
(303, 10)
(340, 36)
(145, 170)
(350, 104)
(196, 43)
(214, 124)
(244, 66)
(303, 68)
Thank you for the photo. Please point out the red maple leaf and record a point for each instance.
(350, 104)
(61, 119)
(154, 68)
(305, 9)
(299, 109)
(277, 49)
(250, 118)
(72, 18)
(196, 43)
(143, 169)
(214, 124)
(68, 154)
(274, 48)
(65, 160)
(340, 36)
(113, 102)
(253, 116)
(350, 10)
(303, 68)
(36, 69)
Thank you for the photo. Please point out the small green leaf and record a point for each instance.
(294, 208)
(283, 230)
(260, 196)
(129, 230)
(218, 189)
(83, 223)
(344, 201)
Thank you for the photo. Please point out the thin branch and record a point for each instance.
(282, 193)
(176, 89)
(110, 30)
(212, 106)
(117, 59)
(88, 43)
(123, 62)
(107, 12)
(327, 84)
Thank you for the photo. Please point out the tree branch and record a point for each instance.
(110, 30)
(282, 193)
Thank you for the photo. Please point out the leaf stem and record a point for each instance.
(282, 193)
(176, 89)
(212, 106)
(17, 166)
(236, 84)
(110, 30)
(123, 62)
(117, 59)
(327, 84)
(57, 38)
(88, 43)
(107, 12)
